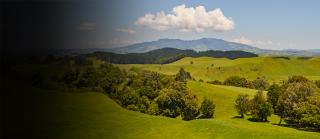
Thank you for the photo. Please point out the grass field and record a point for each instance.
(95, 115)
(207, 69)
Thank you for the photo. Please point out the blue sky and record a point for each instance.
(272, 24)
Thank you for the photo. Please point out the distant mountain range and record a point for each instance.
(208, 44)
(203, 44)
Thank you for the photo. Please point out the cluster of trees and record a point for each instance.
(166, 55)
(296, 101)
(258, 106)
(260, 83)
(144, 91)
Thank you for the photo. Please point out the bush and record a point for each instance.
(207, 108)
(189, 110)
(260, 83)
(183, 76)
(242, 104)
(238, 82)
(317, 82)
(260, 108)
(273, 94)
(169, 102)
(217, 82)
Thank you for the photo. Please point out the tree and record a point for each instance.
(238, 82)
(260, 108)
(189, 109)
(317, 82)
(183, 75)
(170, 102)
(295, 93)
(260, 83)
(207, 108)
(242, 104)
(273, 94)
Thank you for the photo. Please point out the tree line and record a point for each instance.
(166, 55)
(260, 83)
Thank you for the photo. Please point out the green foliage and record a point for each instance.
(260, 108)
(207, 108)
(242, 104)
(260, 83)
(317, 82)
(273, 94)
(297, 79)
(190, 108)
(166, 55)
(183, 75)
(217, 82)
(238, 82)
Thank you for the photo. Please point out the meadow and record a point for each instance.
(84, 114)
(275, 69)
(95, 115)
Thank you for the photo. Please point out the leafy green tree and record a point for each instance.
(238, 82)
(190, 108)
(170, 102)
(260, 83)
(308, 113)
(260, 108)
(273, 94)
(294, 93)
(207, 108)
(148, 91)
(183, 75)
(317, 82)
(242, 104)
(153, 108)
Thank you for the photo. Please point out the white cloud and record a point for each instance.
(244, 40)
(126, 30)
(188, 19)
(87, 26)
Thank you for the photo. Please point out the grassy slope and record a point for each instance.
(274, 69)
(94, 115)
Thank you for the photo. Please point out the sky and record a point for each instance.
(272, 24)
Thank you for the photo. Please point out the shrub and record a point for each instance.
(260, 83)
(242, 104)
(207, 108)
(260, 108)
(236, 81)
(317, 82)
(189, 110)
(217, 82)
(273, 94)
(183, 76)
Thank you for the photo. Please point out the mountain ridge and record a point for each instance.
(205, 44)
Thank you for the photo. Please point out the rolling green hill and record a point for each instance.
(273, 68)
(95, 115)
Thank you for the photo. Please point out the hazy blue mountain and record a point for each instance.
(205, 44)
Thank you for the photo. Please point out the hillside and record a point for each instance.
(273, 68)
(94, 115)
(166, 55)
(205, 44)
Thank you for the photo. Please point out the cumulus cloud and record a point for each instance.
(244, 40)
(87, 26)
(188, 19)
(126, 30)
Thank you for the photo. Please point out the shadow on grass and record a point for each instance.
(237, 117)
(308, 129)
(257, 120)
